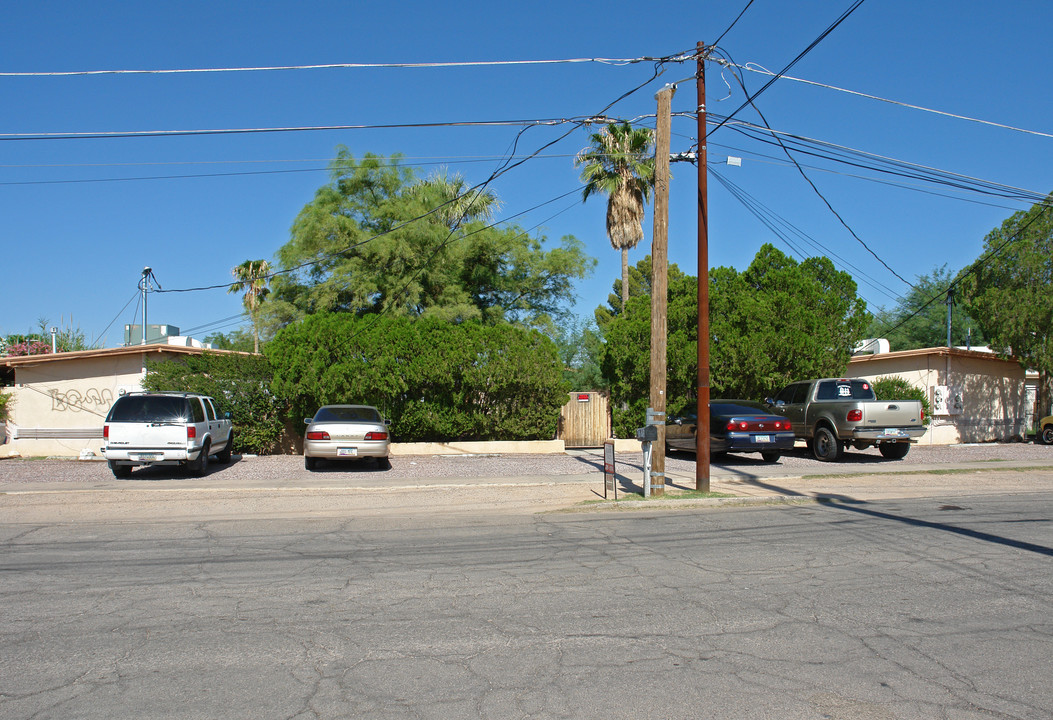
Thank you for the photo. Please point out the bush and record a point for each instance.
(437, 381)
(240, 383)
(896, 388)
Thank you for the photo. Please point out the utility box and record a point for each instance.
(155, 334)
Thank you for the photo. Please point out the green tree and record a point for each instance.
(240, 340)
(241, 384)
(1009, 290)
(580, 345)
(619, 163)
(640, 277)
(919, 319)
(377, 239)
(436, 380)
(773, 323)
(251, 278)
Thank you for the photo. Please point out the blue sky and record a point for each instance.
(80, 218)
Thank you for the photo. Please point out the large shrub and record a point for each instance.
(240, 382)
(896, 388)
(436, 380)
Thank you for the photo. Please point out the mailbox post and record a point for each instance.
(647, 435)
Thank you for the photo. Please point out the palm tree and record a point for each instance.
(620, 164)
(252, 277)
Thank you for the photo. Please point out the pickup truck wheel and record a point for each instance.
(894, 451)
(120, 471)
(1045, 435)
(223, 455)
(826, 446)
(199, 467)
(770, 456)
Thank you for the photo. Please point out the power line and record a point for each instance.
(974, 267)
(811, 46)
(733, 23)
(104, 135)
(881, 163)
(771, 220)
(338, 66)
(754, 67)
(807, 179)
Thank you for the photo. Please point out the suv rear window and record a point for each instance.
(157, 408)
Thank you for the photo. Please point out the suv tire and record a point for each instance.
(120, 471)
(223, 455)
(199, 467)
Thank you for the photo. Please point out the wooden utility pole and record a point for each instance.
(660, 282)
(702, 427)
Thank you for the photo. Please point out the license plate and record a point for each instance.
(762, 438)
(347, 452)
(147, 456)
(895, 432)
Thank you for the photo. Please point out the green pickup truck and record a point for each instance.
(830, 414)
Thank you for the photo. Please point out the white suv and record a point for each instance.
(166, 428)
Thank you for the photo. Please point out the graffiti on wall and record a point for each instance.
(92, 400)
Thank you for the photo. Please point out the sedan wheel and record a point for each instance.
(309, 462)
(770, 457)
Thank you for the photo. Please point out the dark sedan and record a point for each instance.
(738, 426)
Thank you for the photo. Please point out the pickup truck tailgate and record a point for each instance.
(892, 414)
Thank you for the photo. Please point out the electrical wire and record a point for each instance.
(756, 68)
(107, 135)
(337, 66)
(974, 267)
(101, 335)
(815, 188)
(880, 163)
(750, 98)
(772, 221)
(733, 22)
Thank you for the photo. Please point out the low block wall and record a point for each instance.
(479, 448)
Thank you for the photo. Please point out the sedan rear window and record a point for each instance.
(737, 409)
(347, 414)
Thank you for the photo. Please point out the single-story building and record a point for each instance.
(60, 400)
(974, 396)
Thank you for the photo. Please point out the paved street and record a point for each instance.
(910, 607)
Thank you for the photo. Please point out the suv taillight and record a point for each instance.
(855, 415)
(105, 432)
(191, 432)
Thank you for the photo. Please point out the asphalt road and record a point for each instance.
(902, 608)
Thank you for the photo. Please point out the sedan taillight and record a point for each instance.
(376, 436)
(318, 435)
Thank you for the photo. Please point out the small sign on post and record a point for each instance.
(610, 477)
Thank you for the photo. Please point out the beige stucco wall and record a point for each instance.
(67, 400)
(994, 396)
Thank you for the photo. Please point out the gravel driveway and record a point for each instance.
(249, 469)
